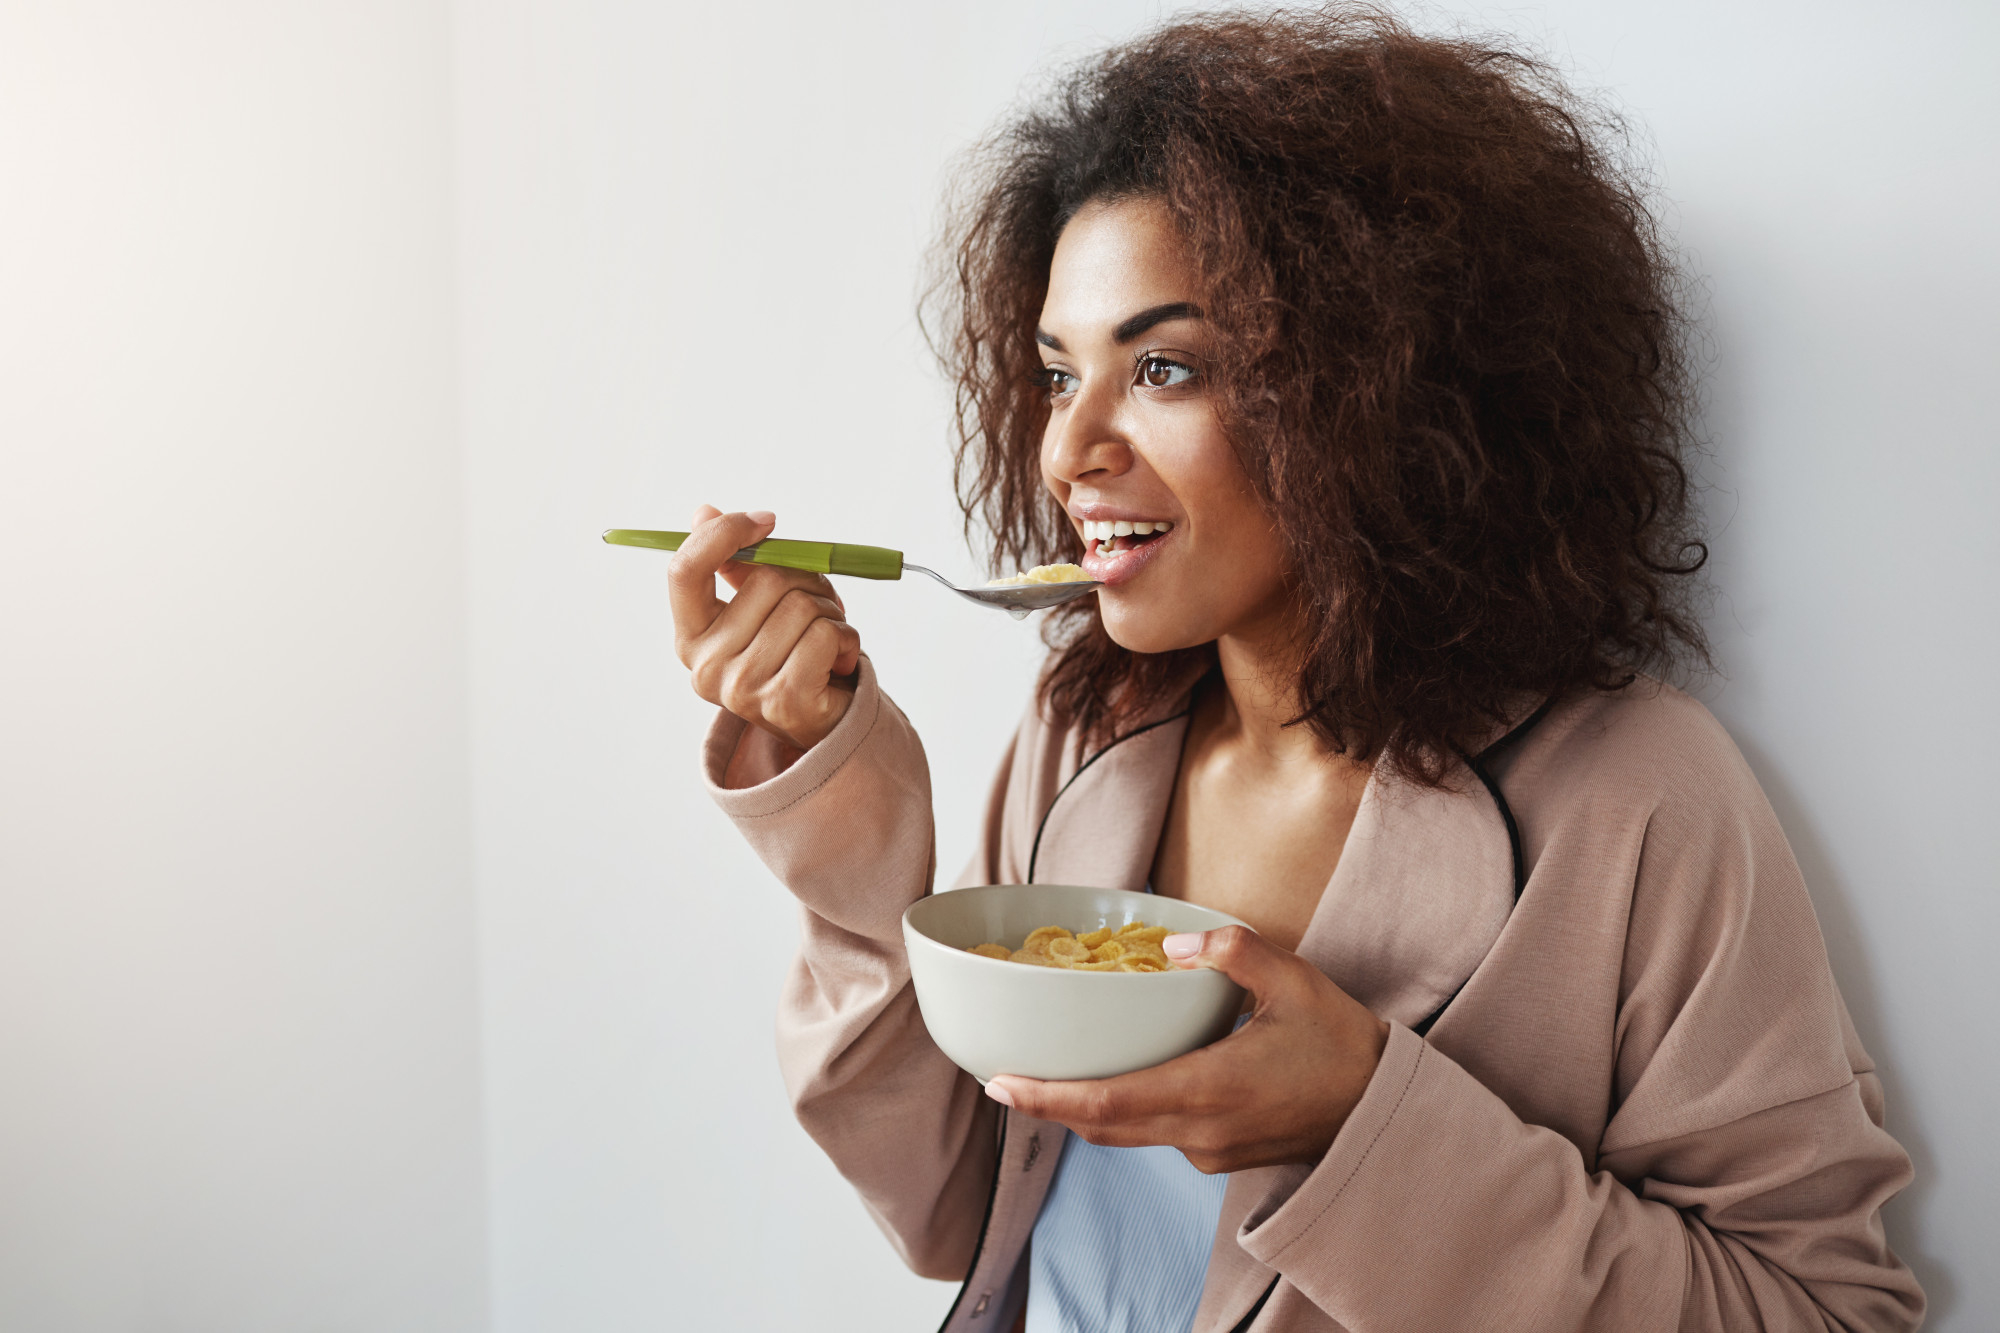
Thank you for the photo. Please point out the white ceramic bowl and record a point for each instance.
(993, 1017)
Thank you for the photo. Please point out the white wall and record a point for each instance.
(691, 237)
(689, 243)
(238, 1046)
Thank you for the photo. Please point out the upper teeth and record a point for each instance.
(1104, 531)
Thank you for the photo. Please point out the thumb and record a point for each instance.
(733, 573)
(1238, 952)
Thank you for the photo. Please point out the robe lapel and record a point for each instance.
(1235, 1280)
(1424, 886)
(1423, 889)
(1104, 826)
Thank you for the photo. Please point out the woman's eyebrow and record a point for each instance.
(1158, 314)
(1134, 325)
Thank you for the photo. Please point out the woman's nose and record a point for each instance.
(1086, 439)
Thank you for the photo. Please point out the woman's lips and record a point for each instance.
(1124, 566)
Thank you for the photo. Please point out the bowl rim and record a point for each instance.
(910, 928)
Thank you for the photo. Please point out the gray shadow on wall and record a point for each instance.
(1728, 429)
(1848, 952)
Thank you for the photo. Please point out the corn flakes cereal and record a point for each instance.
(1133, 947)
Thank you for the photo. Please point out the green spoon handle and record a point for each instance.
(861, 562)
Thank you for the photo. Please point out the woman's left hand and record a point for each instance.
(1275, 1091)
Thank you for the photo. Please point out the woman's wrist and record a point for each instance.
(1351, 1080)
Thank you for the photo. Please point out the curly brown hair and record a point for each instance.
(1452, 360)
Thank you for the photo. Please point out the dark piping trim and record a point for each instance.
(1035, 852)
(1243, 1324)
(1477, 763)
(979, 1246)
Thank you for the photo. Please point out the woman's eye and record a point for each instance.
(1156, 372)
(1057, 382)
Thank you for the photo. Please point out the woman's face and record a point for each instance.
(1133, 439)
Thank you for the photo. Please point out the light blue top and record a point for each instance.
(1122, 1242)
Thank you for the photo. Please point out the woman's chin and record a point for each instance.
(1137, 630)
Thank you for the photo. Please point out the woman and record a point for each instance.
(1350, 364)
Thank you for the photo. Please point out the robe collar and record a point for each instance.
(1425, 883)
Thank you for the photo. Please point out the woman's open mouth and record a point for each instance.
(1116, 550)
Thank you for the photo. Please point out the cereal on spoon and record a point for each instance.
(1043, 574)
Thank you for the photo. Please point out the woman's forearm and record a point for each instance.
(1438, 1207)
(847, 827)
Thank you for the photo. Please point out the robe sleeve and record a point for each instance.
(847, 827)
(1737, 1185)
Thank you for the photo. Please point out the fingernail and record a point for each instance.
(761, 516)
(999, 1094)
(1183, 946)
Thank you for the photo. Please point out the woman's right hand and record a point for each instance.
(780, 653)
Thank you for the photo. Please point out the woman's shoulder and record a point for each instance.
(1647, 784)
(1643, 817)
(1648, 749)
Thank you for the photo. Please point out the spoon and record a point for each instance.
(868, 562)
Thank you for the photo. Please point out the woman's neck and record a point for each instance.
(1258, 699)
(1260, 810)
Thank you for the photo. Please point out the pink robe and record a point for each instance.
(1646, 1109)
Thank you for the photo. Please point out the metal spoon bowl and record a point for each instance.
(1018, 599)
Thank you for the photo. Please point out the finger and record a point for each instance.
(1239, 953)
(735, 572)
(734, 663)
(817, 659)
(848, 660)
(760, 589)
(739, 575)
(756, 667)
(805, 700)
(1082, 1107)
(691, 580)
(1125, 1111)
